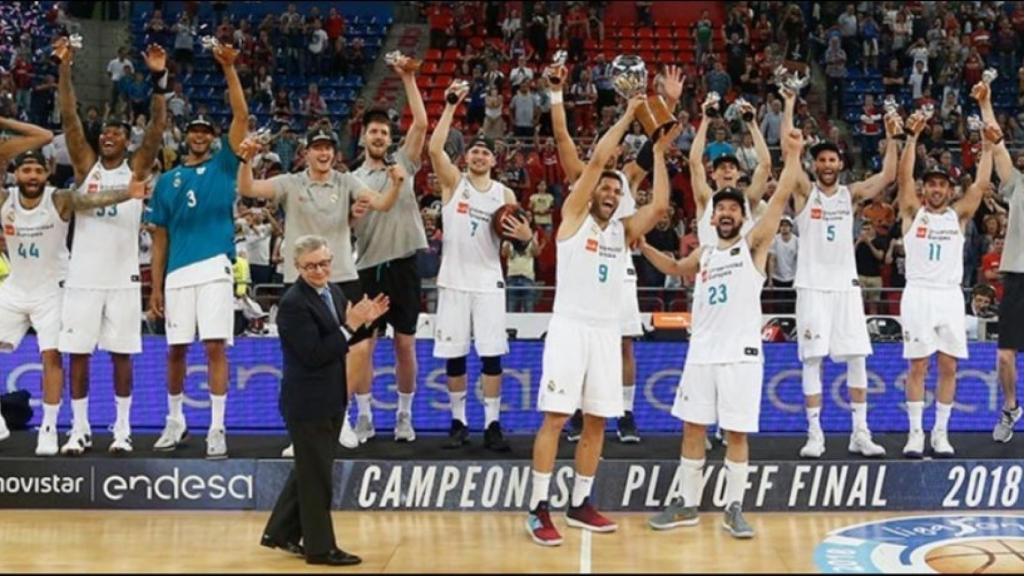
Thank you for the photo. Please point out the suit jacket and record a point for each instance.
(313, 385)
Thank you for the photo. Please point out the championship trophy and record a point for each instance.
(74, 42)
(710, 105)
(457, 86)
(411, 64)
(988, 76)
(559, 60)
(790, 82)
(209, 42)
(629, 78)
(742, 103)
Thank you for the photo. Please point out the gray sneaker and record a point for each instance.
(364, 429)
(735, 523)
(174, 434)
(1004, 428)
(675, 515)
(216, 444)
(403, 428)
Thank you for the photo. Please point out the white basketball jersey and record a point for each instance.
(935, 250)
(471, 252)
(706, 233)
(726, 321)
(825, 260)
(36, 244)
(590, 273)
(105, 251)
(627, 207)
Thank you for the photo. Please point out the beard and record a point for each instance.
(828, 179)
(33, 193)
(734, 231)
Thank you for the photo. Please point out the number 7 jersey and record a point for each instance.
(471, 252)
(726, 323)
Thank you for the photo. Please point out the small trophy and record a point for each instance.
(209, 42)
(742, 103)
(890, 106)
(457, 86)
(74, 43)
(559, 60)
(928, 110)
(710, 105)
(974, 123)
(989, 75)
(629, 78)
(410, 65)
(263, 136)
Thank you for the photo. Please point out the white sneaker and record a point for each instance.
(122, 443)
(404, 431)
(941, 447)
(79, 440)
(174, 434)
(5, 433)
(348, 438)
(364, 429)
(216, 444)
(815, 445)
(861, 443)
(46, 445)
(288, 452)
(915, 444)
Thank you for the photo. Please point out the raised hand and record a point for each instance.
(916, 123)
(981, 92)
(674, 81)
(460, 88)
(793, 143)
(634, 103)
(156, 58)
(556, 77)
(667, 137)
(225, 54)
(248, 148)
(63, 51)
(993, 133)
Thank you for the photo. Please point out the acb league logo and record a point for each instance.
(970, 543)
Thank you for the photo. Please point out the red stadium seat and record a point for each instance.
(476, 42)
(434, 110)
(666, 44)
(424, 82)
(443, 81)
(446, 67)
(645, 44)
(428, 68)
(626, 44)
(433, 54)
(662, 33)
(435, 95)
(647, 56)
(645, 33)
(452, 54)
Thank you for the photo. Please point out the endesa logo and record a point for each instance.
(816, 213)
(178, 486)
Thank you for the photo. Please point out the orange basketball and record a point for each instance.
(501, 213)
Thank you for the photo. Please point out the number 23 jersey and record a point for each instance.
(726, 324)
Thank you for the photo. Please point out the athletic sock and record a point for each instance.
(915, 410)
(218, 405)
(860, 415)
(492, 410)
(458, 402)
(628, 397)
(365, 402)
(692, 481)
(581, 489)
(80, 413)
(541, 484)
(124, 409)
(50, 412)
(942, 412)
(174, 406)
(405, 402)
(735, 481)
(814, 420)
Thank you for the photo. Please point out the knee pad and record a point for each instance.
(857, 372)
(812, 376)
(455, 367)
(491, 365)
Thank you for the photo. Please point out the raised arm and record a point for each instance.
(384, 202)
(760, 238)
(31, 137)
(83, 157)
(567, 155)
(908, 200)
(982, 92)
(142, 161)
(226, 55)
(647, 216)
(967, 205)
(416, 136)
(698, 176)
(447, 173)
(874, 185)
(802, 182)
(763, 172)
(248, 186)
(673, 86)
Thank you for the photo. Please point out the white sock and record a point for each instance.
(860, 415)
(942, 412)
(814, 420)
(365, 401)
(691, 470)
(914, 412)
(628, 395)
(458, 402)
(735, 481)
(581, 489)
(541, 484)
(218, 404)
(492, 410)
(50, 412)
(124, 409)
(405, 402)
(174, 406)
(80, 413)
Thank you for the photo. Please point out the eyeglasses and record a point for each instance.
(313, 266)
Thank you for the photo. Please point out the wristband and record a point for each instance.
(998, 142)
(160, 82)
(242, 160)
(556, 97)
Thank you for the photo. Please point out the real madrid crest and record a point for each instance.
(924, 219)
(334, 198)
(201, 170)
(177, 180)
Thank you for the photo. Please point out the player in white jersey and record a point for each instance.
(35, 224)
(632, 174)
(471, 287)
(103, 296)
(581, 366)
(932, 306)
(721, 382)
(829, 309)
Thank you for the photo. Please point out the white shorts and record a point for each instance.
(632, 324)
(209, 307)
(463, 317)
(933, 320)
(19, 312)
(110, 319)
(582, 369)
(831, 323)
(726, 394)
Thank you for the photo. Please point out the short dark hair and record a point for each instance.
(610, 174)
(376, 115)
(984, 290)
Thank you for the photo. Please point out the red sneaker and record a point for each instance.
(588, 518)
(540, 527)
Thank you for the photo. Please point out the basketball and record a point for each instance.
(499, 216)
(1001, 556)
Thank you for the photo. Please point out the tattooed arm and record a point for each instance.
(68, 200)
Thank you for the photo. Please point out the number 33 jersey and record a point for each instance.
(726, 323)
(591, 270)
(36, 244)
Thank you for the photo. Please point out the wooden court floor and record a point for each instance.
(148, 541)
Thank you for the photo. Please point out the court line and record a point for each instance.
(585, 548)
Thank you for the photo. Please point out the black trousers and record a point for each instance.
(303, 509)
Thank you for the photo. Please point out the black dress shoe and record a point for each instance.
(336, 557)
(290, 547)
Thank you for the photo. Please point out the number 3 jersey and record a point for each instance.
(591, 270)
(825, 258)
(471, 252)
(726, 323)
(105, 252)
(36, 244)
(935, 250)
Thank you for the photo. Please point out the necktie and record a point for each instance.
(325, 295)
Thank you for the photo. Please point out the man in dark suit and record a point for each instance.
(315, 324)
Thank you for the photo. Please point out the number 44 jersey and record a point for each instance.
(36, 244)
(726, 324)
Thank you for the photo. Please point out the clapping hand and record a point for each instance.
(366, 311)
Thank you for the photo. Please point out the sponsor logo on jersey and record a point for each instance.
(463, 208)
(592, 244)
(922, 231)
(816, 213)
(9, 230)
(751, 352)
(735, 251)
(94, 187)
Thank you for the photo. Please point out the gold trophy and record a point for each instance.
(629, 78)
(410, 65)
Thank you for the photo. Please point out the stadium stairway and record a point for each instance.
(101, 41)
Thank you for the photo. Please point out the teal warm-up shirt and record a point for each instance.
(196, 205)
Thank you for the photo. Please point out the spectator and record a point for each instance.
(184, 44)
(771, 124)
(335, 24)
(880, 214)
(318, 49)
(521, 73)
(892, 79)
(869, 253)
(870, 128)
(720, 146)
(718, 80)
(584, 98)
(541, 204)
(117, 69)
(511, 25)
(990, 267)
(746, 153)
(869, 33)
(313, 105)
(919, 80)
(702, 32)
(522, 274)
(139, 95)
(634, 141)
(494, 115)
(835, 77)
(664, 237)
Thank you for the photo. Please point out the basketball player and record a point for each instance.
(932, 310)
(1011, 307)
(721, 382)
(829, 309)
(471, 288)
(581, 364)
(193, 243)
(103, 294)
(35, 221)
(386, 246)
(632, 176)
